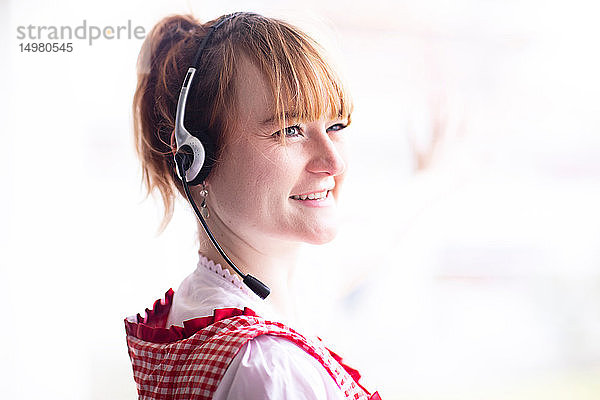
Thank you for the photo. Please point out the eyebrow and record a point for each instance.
(289, 116)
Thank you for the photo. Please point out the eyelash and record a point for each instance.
(298, 129)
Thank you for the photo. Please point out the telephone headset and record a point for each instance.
(191, 154)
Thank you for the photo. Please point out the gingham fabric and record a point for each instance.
(189, 362)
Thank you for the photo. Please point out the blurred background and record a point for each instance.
(469, 263)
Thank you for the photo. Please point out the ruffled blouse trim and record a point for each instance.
(151, 328)
(224, 273)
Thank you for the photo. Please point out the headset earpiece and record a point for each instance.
(192, 155)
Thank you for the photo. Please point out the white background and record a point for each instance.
(469, 266)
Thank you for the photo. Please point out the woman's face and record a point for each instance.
(258, 190)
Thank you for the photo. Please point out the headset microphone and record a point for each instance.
(190, 157)
(259, 288)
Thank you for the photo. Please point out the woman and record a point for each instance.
(244, 116)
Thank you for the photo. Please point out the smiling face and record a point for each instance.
(264, 188)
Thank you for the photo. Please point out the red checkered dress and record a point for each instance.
(189, 362)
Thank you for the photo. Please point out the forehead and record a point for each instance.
(254, 97)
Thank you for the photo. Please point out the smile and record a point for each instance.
(311, 196)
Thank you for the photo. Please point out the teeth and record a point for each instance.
(312, 196)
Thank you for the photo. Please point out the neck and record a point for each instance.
(271, 261)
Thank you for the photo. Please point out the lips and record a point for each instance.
(311, 196)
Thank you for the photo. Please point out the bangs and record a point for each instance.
(304, 85)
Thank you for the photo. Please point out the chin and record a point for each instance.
(321, 236)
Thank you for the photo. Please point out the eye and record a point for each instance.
(336, 127)
(290, 131)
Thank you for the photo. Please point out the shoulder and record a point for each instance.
(269, 367)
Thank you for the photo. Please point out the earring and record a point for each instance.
(203, 207)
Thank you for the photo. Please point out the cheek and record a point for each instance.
(229, 186)
(251, 184)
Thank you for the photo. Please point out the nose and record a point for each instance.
(327, 155)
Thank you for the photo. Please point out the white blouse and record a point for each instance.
(266, 367)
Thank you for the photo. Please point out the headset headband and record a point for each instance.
(209, 34)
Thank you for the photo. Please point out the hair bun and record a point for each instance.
(170, 32)
(178, 26)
